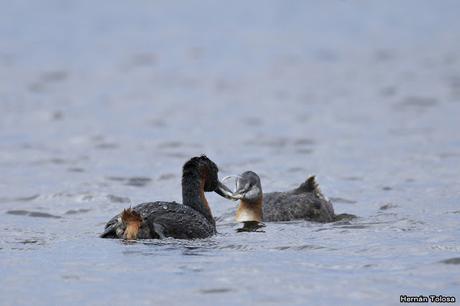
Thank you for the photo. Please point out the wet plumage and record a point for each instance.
(190, 220)
(165, 219)
(305, 202)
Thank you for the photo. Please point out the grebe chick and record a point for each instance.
(190, 220)
(306, 202)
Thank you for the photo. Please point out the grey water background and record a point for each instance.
(102, 102)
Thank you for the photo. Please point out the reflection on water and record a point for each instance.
(31, 214)
(101, 105)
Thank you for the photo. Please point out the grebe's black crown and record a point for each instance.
(205, 168)
(251, 177)
(248, 187)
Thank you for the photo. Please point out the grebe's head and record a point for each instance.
(249, 192)
(132, 222)
(248, 187)
(208, 173)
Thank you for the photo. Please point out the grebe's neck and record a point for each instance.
(193, 193)
(250, 211)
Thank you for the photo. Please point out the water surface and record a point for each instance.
(102, 104)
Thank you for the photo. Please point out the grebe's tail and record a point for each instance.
(311, 185)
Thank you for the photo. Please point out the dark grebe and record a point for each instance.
(305, 202)
(190, 220)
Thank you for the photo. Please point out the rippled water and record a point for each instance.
(102, 104)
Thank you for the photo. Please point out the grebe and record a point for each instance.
(190, 220)
(306, 202)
